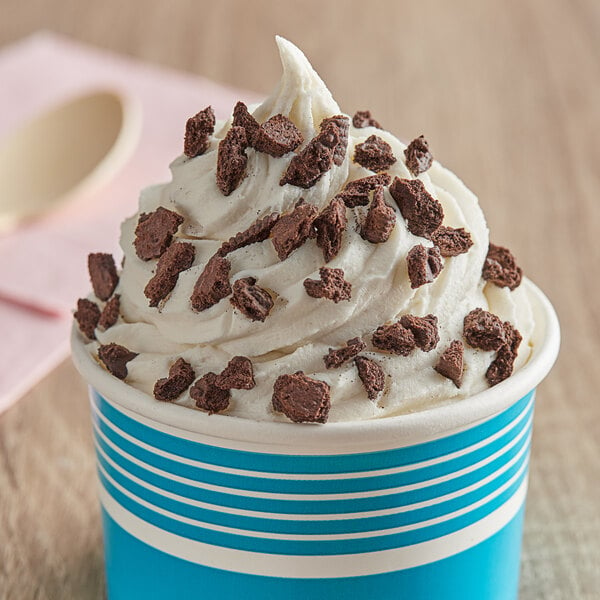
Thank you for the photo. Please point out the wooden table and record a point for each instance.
(508, 95)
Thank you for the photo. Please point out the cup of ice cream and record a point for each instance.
(314, 374)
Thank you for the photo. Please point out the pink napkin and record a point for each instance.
(43, 264)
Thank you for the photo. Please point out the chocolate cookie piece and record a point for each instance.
(332, 285)
(252, 300)
(181, 376)
(363, 118)
(380, 220)
(232, 160)
(87, 316)
(339, 146)
(424, 265)
(356, 193)
(293, 229)
(418, 157)
(103, 274)
(242, 118)
(301, 399)
(213, 284)
(330, 226)
(502, 366)
(451, 363)
(423, 213)
(115, 359)
(501, 268)
(450, 241)
(372, 376)
(257, 232)
(198, 130)
(110, 313)
(208, 395)
(336, 358)
(374, 154)
(425, 330)
(177, 258)
(394, 338)
(277, 136)
(484, 330)
(154, 232)
(238, 375)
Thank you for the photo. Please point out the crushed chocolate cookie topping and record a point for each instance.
(257, 232)
(450, 241)
(424, 265)
(103, 274)
(213, 284)
(251, 300)
(356, 193)
(110, 313)
(363, 118)
(372, 376)
(380, 220)
(115, 359)
(423, 213)
(87, 316)
(231, 160)
(336, 358)
(208, 395)
(332, 285)
(418, 157)
(330, 226)
(237, 375)
(450, 363)
(177, 258)
(394, 338)
(301, 399)
(198, 130)
(181, 376)
(484, 330)
(293, 229)
(339, 146)
(242, 118)
(374, 154)
(501, 268)
(502, 366)
(277, 136)
(425, 330)
(154, 232)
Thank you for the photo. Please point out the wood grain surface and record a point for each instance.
(508, 94)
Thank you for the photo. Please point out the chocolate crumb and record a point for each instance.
(242, 118)
(418, 157)
(502, 366)
(501, 268)
(177, 258)
(332, 285)
(339, 147)
(363, 118)
(330, 226)
(231, 160)
(451, 363)
(293, 229)
(336, 358)
(154, 232)
(277, 136)
(103, 274)
(181, 376)
(423, 213)
(257, 232)
(250, 299)
(208, 395)
(213, 284)
(394, 338)
(198, 130)
(450, 241)
(238, 375)
(301, 399)
(380, 220)
(87, 316)
(356, 193)
(424, 265)
(425, 330)
(110, 313)
(372, 376)
(484, 330)
(374, 154)
(115, 359)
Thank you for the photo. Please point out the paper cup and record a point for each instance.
(420, 506)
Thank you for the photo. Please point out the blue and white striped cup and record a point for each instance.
(421, 506)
